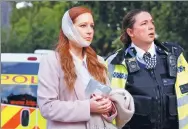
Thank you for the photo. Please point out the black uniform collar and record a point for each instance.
(160, 51)
(160, 47)
(122, 54)
(118, 59)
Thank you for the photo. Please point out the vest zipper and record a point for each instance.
(159, 99)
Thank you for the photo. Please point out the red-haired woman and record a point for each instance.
(64, 75)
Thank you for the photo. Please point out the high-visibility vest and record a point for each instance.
(118, 76)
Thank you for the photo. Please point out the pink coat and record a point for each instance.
(63, 109)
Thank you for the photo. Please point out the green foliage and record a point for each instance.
(171, 22)
(38, 26)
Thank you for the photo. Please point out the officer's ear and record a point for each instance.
(130, 32)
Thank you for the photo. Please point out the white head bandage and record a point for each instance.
(71, 32)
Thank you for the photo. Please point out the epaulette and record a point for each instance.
(173, 47)
(112, 53)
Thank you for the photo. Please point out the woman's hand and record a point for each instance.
(99, 104)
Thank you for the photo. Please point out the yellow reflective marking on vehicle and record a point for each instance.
(2, 107)
(41, 121)
(20, 79)
(32, 121)
(7, 113)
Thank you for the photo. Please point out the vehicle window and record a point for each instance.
(19, 83)
(19, 68)
(22, 95)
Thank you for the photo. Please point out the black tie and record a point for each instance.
(150, 61)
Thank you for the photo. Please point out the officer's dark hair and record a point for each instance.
(128, 22)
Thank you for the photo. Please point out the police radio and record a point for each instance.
(172, 63)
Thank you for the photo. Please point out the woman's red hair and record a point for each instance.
(95, 68)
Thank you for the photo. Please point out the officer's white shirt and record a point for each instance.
(81, 69)
(140, 52)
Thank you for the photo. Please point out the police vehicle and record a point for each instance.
(19, 82)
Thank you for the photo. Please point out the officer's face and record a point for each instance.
(143, 30)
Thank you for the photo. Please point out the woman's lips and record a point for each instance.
(88, 38)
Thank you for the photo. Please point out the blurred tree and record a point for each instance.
(38, 26)
(35, 27)
(171, 19)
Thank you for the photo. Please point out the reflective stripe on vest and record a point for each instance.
(118, 78)
(118, 75)
(183, 123)
(182, 99)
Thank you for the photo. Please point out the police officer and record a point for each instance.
(156, 74)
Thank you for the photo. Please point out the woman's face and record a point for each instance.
(85, 25)
(143, 30)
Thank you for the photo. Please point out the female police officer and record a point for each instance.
(156, 74)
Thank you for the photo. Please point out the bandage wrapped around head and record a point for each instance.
(71, 32)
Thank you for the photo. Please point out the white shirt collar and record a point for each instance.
(79, 61)
(140, 52)
(81, 69)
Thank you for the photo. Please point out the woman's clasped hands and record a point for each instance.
(100, 104)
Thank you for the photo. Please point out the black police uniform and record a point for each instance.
(154, 91)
